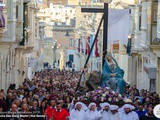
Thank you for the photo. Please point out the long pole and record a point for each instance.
(90, 50)
(105, 32)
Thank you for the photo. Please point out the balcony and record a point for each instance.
(1, 33)
(130, 2)
(155, 44)
(19, 30)
(127, 3)
(63, 28)
(27, 1)
(25, 49)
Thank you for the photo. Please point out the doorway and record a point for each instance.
(71, 58)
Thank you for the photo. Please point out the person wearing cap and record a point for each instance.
(79, 112)
(105, 111)
(127, 113)
(114, 115)
(92, 113)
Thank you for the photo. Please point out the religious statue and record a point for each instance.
(62, 59)
(61, 55)
(112, 75)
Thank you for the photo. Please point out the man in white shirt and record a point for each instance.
(105, 111)
(114, 113)
(92, 113)
(127, 113)
(79, 112)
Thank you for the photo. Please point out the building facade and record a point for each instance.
(59, 20)
(19, 41)
(144, 60)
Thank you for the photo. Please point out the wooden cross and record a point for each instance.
(104, 19)
(105, 29)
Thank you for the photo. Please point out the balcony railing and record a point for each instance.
(26, 1)
(63, 28)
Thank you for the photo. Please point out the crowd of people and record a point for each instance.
(50, 95)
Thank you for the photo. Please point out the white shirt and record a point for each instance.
(130, 116)
(93, 115)
(115, 116)
(77, 115)
(105, 115)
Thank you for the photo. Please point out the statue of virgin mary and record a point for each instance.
(112, 75)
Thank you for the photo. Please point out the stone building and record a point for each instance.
(11, 35)
(60, 26)
(145, 38)
(64, 39)
(19, 42)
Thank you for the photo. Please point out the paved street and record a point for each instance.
(79, 59)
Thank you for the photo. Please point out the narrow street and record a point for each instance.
(79, 59)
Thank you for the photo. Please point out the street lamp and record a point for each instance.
(54, 47)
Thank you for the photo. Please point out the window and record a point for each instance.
(71, 42)
(152, 85)
(9, 2)
(71, 58)
(140, 22)
(140, 17)
(155, 11)
(17, 12)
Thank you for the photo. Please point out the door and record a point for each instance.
(71, 58)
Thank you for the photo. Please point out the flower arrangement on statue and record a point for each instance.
(102, 95)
